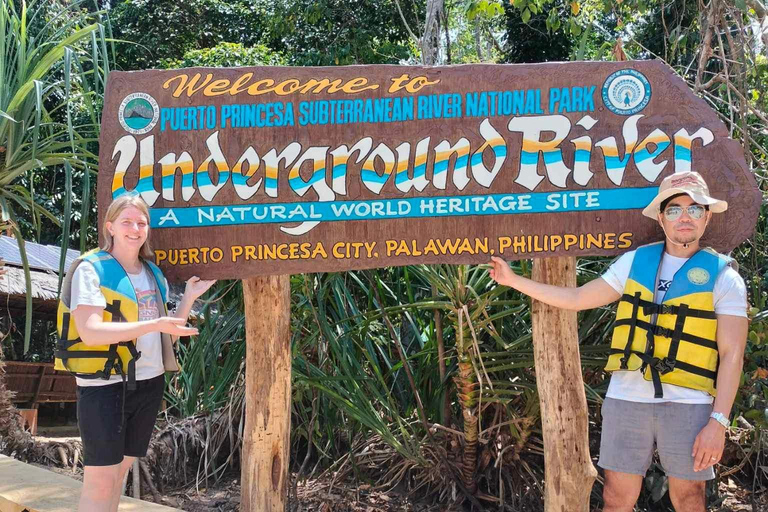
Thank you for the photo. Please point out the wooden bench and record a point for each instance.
(28, 488)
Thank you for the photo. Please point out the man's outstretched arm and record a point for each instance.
(594, 294)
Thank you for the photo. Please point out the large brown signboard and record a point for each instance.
(278, 170)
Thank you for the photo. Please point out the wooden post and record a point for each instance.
(264, 466)
(136, 485)
(569, 473)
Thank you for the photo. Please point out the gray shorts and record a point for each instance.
(631, 429)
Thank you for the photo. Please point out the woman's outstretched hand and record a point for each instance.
(174, 326)
(500, 271)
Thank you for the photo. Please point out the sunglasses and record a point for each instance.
(694, 211)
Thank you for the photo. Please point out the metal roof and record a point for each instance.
(40, 257)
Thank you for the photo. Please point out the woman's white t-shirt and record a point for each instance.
(86, 292)
(730, 298)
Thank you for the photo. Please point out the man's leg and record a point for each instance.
(626, 450)
(124, 467)
(687, 495)
(679, 424)
(621, 491)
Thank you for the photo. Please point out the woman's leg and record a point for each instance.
(99, 415)
(99, 484)
(124, 467)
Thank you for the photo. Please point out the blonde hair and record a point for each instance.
(113, 212)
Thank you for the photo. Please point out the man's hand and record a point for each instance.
(709, 445)
(500, 271)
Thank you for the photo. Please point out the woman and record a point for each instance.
(116, 337)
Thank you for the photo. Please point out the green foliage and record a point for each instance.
(483, 8)
(227, 55)
(529, 38)
(338, 32)
(150, 32)
(210, 361)
(53, 62)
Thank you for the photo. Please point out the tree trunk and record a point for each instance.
(569, 473)
(430, 39)
(264, 467)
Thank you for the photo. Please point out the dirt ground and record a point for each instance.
(328, 495)
(312, 496)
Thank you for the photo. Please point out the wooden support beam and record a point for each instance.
(569, 473)
(264, 466)
(38, 387)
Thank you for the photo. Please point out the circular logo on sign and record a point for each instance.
(626, 92)
(138, 113)
(698, 276)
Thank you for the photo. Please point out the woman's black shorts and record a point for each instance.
(109, 433)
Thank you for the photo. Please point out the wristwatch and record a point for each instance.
(721, 419)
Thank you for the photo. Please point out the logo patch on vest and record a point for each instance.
(698, 276)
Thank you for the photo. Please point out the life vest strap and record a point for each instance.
(651, 308)
(665, 332)
(667, 365)
(135, 356)
(635, 301)
(114, 309)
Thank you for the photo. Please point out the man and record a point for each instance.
(676, 352)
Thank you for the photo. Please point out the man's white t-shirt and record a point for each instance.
(86, 292)
(730, 298)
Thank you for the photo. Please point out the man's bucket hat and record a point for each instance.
(689, 183)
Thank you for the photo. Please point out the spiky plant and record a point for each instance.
(53, 67)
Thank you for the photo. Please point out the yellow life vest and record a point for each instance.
(674, 342)
(102, 361)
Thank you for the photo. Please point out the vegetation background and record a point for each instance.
(417, 380)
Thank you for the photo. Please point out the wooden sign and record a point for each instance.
(278, 170)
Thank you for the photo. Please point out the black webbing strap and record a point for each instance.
(651, 362)
(63, 345)
(112, 358)
(114, 309)
(678, 333)
(135, 355)
(651, 308)
(669, 333)
(664, 366)
(81, 354)
(696, 370)
(632, 325)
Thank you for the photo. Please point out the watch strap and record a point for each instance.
(721, 419)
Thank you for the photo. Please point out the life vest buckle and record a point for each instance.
(662, 331)
(664, 366)
(659, 309)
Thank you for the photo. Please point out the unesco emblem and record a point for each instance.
(626, 92)
(698, 276)
(138, 113)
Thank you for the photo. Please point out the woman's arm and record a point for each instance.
(94, 330)
(194, 289)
